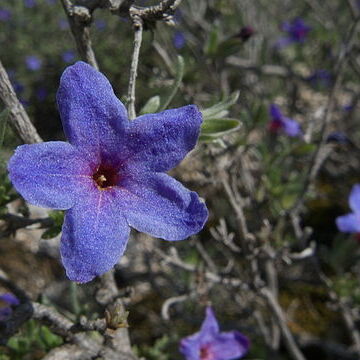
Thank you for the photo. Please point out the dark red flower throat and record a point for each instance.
(105, 177)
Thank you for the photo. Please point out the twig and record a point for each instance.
(15, 222)
(318, 158)
(59, 324)
(79, 18)
(138, 30)
(19, 119)
(171, 301)
(175, 260)
(280, 317)
(163, 11)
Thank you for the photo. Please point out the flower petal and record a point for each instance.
(349, 223)
(354, 198)
(5, 313)
(229, 346)
(9, 299)
(275, 112)
(291, 127)
(210, 324)
(160, 206)
(190, 347)
(93, 118)
(49, 174)
(94, 236)
(160, 141)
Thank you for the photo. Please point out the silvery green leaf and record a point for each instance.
(151, 106)
(219, 126)
(221, 107)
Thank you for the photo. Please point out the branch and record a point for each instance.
(281, 320)
(19, 119)
(318, 157)
(138, 30)
(79, 18)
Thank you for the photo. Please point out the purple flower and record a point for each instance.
(280, 123)
(296, 30)
(30, 3)
(348, 107)
(100, 24)
(63, 24)
(68, 56)
(7, 300)
(33, 62)
(179, 40)
(110, 175)
(41, 93)
(211, 344)
(5, 15)
(320, 78)
(351, 222)
(338, 138)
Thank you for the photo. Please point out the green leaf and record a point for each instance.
(219, 126)
(151, 106)
(212, 43)
(4, 115)
(49, 339)
(220, 109)
(304, 149)
(180, 69)
(58, 218)
(229, 47)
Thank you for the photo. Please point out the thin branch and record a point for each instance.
(281, 320)
(19, 119)
(79, 18)
(318, 157)
(163, 11)
(171, 301)
(138, 30)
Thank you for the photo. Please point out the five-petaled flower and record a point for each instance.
(280, 123)
(296, 32)
(211, 344)
(7, 301)
(351, 222)
(110, 175)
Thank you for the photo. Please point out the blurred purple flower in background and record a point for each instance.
(211, 344)
(111, 173)
(348, 107)
(280, 123)
(18, 86)
(30, 3)
(179, 40)
(351, 222)
(63, 24)
(68, 56)
(5, 15)
(7, 300)
(41, 93)
(33, 62)
(338, 138)
(320, 78)
(100, 24)
(296, 30)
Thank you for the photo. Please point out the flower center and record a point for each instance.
(205, 353)
(105, 177)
